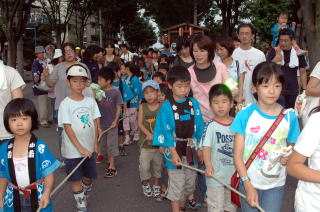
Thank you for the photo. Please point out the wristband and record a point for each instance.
(243, 179)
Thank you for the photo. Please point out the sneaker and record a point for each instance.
(110, 173)
(45, 125)
(136, 137)
(122, 151)
(99, 159)
(302, 52)
(146, 189)
(192, 204)
(157, 193)
(126, 140)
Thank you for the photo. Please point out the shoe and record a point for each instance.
(302, 52)
(110, 173)
(99, 159)
(157, 193)
(192, 204)
(136, 137)
(146, 189)
(122, 151)
(45, 125)
(126, 141)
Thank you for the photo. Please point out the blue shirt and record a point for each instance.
(135, 87)
(164, 131)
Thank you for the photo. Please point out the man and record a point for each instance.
(250, 57)
(126, 54)
(11, 86)
(37, 68)
(286, 56)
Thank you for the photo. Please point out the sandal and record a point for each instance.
(192, 204)
(110, 173)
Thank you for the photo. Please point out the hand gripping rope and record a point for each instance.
(216, 179)
(75, 169)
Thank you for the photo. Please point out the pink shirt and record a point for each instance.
(201, 90)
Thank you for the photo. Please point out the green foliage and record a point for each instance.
(139, 33)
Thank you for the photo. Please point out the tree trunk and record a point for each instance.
(20, 56)
(12, 52)
(58, 39)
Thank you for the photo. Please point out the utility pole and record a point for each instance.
(100, 28)
(195, 12)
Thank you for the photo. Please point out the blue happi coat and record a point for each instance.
(164, 131)
(46, 164)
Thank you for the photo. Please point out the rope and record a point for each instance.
(75, 168)
(216, 179)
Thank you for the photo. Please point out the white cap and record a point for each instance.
(57, 53)
(77, 71)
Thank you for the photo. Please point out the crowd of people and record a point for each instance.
(211, 106)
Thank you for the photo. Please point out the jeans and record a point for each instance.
(60, 129)
(54, 112)
(270, 200)
(202, 181)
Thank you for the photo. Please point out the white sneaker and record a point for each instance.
(146, 189)
(126, 140)
(136, 137)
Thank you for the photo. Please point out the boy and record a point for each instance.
(79, 117)
(159, 77)
(178, 129)
(110, 106)
(217, 150)
(164, 68)
(149, 154)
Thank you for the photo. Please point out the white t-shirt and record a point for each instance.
(254, 124)
(250, 58)
(14, 81)
(81, 116)
(22, 171)
(316, 72)
(308, 194)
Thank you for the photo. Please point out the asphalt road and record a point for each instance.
(123, 192)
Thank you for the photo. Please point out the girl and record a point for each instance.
(250, 125)
(110, 54)
(27, 165)
(130, 122)
(183, 57)
(308, 146)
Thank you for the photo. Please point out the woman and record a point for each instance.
(110, 54)
(91, 57)
(183, 58)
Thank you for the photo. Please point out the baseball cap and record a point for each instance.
(77, 71)
(39, 49)
(150, 83)
(57, 53)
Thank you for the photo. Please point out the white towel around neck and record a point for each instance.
(3, 78)
(294, 60)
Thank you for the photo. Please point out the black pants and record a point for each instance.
(287, 100)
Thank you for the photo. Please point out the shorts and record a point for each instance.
(109, 143)
(120, 127)
(219, 199)
(181, 182)
(150, 159)
(87, 168)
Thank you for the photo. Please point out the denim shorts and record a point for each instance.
(270, 200)
(87, 168)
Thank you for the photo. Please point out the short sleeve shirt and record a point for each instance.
(14, 81)
(254, 124)
(316, 72)
(108, 106)
(80, 115)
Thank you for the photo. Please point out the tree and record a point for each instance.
(58, 13)
(15, 16)
(139, 33)
(171, 12)
(82, 11)
(311, 17)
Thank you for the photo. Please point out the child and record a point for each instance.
(159, 77)
(149, 154)
(130, 122)
(218, 148)
(250, 125)
(164, 68)
(307, 193)
(164, 94)
(126, 96)
(109, 106)
(79, 116)
(282, 23)
(179, 127)
(25, 150)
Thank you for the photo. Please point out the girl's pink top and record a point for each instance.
(201, 90)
